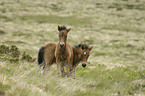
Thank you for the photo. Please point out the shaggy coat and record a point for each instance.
(46, 56)
(63, 52)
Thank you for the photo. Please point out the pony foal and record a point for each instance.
(46, 56)
(81, 53)
(63, 52)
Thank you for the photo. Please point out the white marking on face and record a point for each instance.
(85, 52)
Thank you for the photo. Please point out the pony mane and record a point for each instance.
(84, 46)
(62, 28)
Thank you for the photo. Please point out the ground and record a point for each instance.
(115, 29)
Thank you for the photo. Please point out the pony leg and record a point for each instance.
(68, 70)
(74, 73)
(58, 68)
(62, 69)
(47, 67)
(43, 65)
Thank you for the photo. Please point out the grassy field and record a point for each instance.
(116, 29)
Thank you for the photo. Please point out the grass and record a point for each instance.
(115, 28)
(72, 20)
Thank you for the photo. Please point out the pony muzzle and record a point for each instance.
(84, 65)
(62, 44)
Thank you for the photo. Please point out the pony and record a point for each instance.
(80, 55)
(46, 56)
(63, 52)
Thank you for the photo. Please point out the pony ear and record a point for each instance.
(58, 28)
(68, 30)
(90, 48)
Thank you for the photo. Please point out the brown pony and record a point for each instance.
(80, 55)
(63, 52)
(46, 56)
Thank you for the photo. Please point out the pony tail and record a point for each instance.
(40, 55)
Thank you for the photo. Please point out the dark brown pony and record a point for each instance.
(46, 56)
(63, 52)
(81, 53)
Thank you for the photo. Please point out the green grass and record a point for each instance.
(115, 28)
(71, 20)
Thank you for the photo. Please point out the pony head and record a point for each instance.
(63, 35)
(85, 54)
